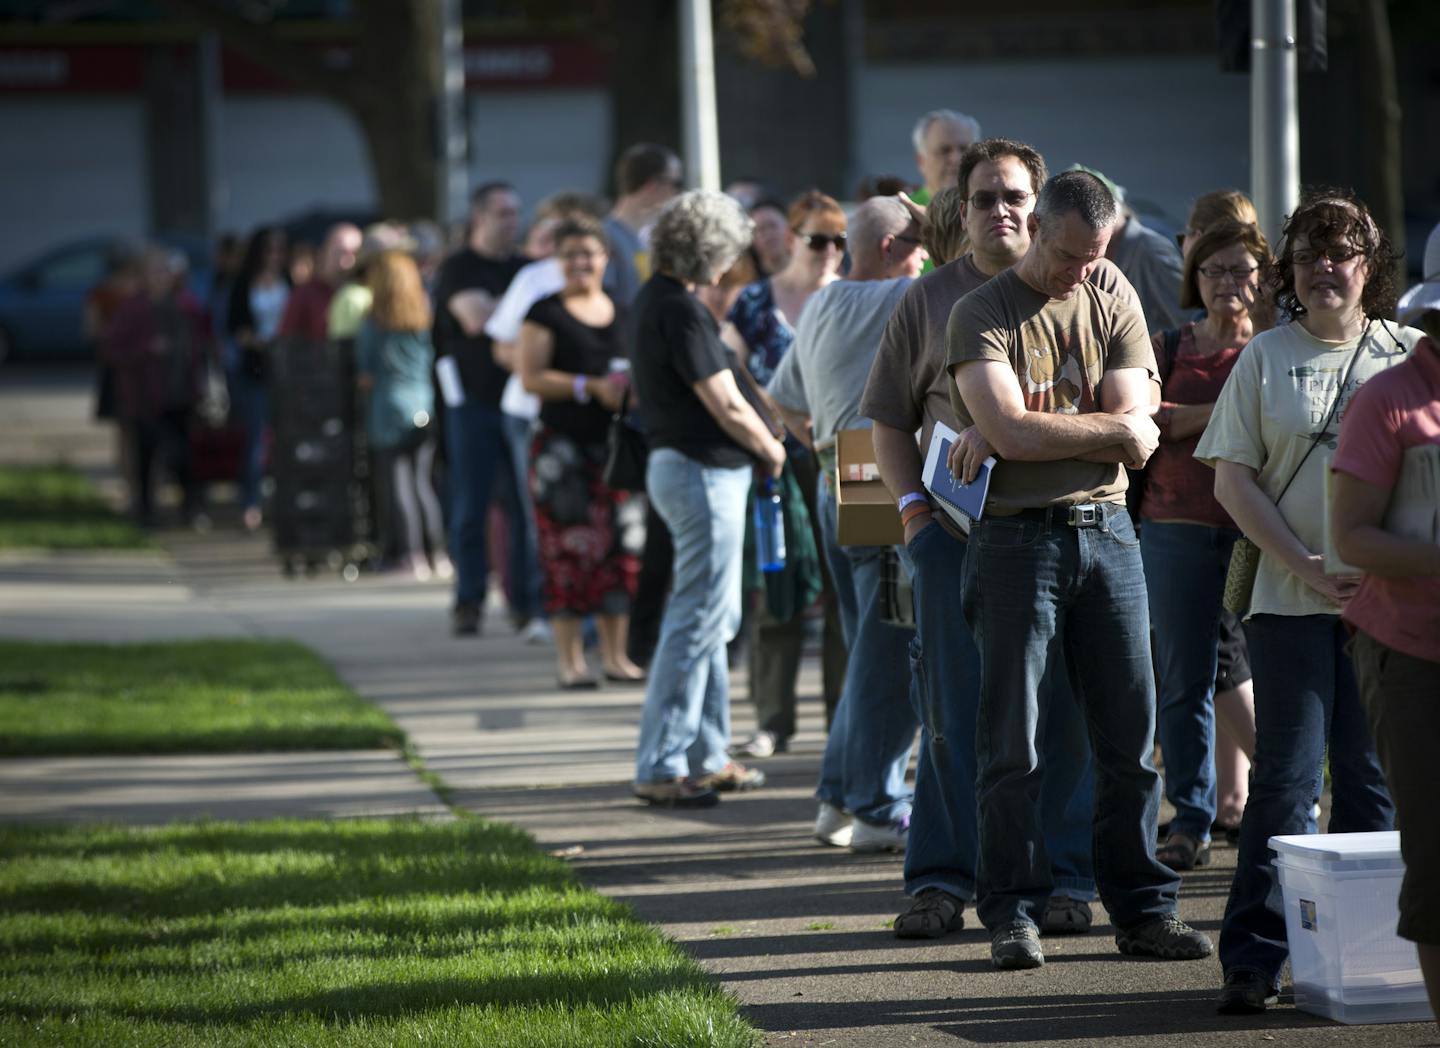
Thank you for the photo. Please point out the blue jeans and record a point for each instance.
(868, 749)
(1185, 567)
(1305, 698)
(944, 838)
(524, 568)
(685, 724)
(475, 441)
(251, 407)
(1035, 592)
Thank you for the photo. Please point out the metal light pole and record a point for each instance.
(1274, 114)
(697, 87)
(453, 136)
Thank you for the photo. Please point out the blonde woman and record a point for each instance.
(394, 358)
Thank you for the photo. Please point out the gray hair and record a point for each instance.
(1080, 192)
(699, 234)
(922, 126)
(873, 221)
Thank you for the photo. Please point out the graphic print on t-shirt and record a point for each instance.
(1057, 378)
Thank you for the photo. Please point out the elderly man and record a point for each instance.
(818, 387)
(941, 137)
(1055, 374)
(909, 390)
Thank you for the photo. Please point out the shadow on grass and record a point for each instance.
(205, 869)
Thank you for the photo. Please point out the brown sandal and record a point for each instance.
(933, 913)
(1183, 852)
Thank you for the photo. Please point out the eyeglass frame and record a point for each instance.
(840, 240)
(1239, 274)
(1024, 194)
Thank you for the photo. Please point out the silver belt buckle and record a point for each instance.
(1085, 515)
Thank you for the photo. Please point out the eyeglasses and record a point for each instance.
(1240, 273)
(820, 241)
(1338, 254)
(985, 199)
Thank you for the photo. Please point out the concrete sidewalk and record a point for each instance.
(798, 932)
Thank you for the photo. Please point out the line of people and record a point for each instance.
(1034, 345)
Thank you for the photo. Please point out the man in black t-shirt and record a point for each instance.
(469, 284)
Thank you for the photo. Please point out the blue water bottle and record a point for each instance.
(769, 528)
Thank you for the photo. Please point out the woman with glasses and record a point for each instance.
(1270, 439)
(1186, 537)
(761, 329)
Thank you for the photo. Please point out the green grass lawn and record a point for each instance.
(386, 932)
(55, 508)
(217, 696)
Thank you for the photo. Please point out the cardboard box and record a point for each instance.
(865, 512)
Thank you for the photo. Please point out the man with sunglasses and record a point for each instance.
(1057, 375)
(818, 386)
(909, 390)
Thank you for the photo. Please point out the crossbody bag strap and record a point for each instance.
(1329, 415)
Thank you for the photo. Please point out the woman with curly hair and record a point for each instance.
(705, 441)
(590, 537)
(1283, 403)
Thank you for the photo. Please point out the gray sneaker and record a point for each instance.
(1066, 916)
(1016, 945)
(1166, 937)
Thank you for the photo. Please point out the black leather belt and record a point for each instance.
(1081, 515)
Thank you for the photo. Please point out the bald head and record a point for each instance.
(884, 240)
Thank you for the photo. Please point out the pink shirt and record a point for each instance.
(1395, 410)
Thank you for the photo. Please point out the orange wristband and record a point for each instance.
(912, 511)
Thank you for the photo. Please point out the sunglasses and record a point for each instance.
(985, 199)
(820, 241)
(1336, 253)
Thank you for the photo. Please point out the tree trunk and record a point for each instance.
(1380, 101)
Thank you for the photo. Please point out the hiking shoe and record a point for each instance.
(1246, 993)
(872, 837)
(465, 620)
(1016, 946)
(732, 778)
(1166, 937)
(675, 793)
(1182, 852)
(833, 826)
(935, 912)
(762, 744)
(1066, 916)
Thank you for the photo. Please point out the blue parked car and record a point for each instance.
(42, 302)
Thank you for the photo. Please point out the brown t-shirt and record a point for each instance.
(1060, 351)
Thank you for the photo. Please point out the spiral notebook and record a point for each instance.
(965, 503)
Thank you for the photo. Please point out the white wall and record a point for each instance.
(1167, 129)
(283, 154)
(541, 141)
(72, 167)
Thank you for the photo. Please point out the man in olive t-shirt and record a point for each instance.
(909, 390)
(1055, 373)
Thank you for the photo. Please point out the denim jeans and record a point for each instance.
(685, 724)
(1305, 699)
(868, 749)
(944, 838)
(476, 444)
(524, 568)
(1185, 567)
(1034, 593)
(251, 408)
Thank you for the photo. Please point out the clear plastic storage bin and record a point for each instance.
(1341, 904)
